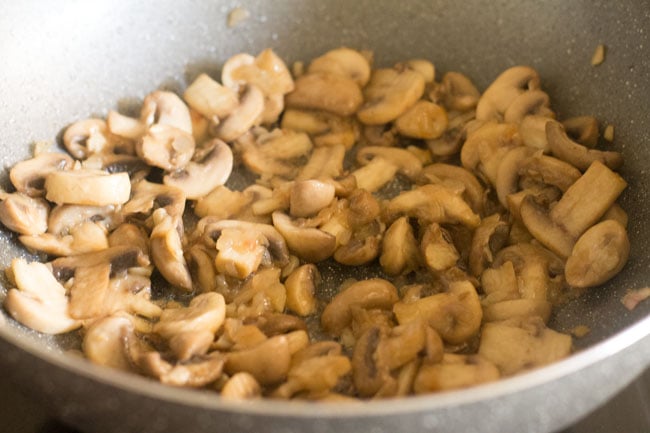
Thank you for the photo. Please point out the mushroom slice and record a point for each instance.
(315, 375)
(210, 167)
(125, 126)
(242, 118)
(120, 258)
(460, 93)
(406, 162)
(308, 243)
(65, 217)
(598, 255)
(345, 62)
(135, 167)
(82, 238)
(240, 252)
(267, 71)
(328, 92)
(148, 196)
(24, 214)
(400, 253)
(167, 250)
(87, 187)
(276, 356)
(166, 108)
(507, 175)
(86, 137)
(587, 199)
(504, 89)
(455, 371)
(370, 373)
(324, 162)
(222, 203)
(39, 302)
(455, 314)
(523, 343)
(489, 237)
(583, 129)
(375, 174)
(326, 129)
(197, 372)
(103, 342)
(424, 120)
(389, 94)
(270, 153)
(366, 294)
(551, 171)
(576, 154)
(544, 229)
(433, 203)
(487, 145)
(422, 66)
(308, 197)
(204, 315)
(301, 287)
(210, 98)
(473, 191)
(438, 249)
(532, 102)
(166, 147)
(241, 386)
(532, 130)
(28, 176)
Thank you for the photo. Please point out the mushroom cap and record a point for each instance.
(87, 187)
(28, 176)
(166, 108)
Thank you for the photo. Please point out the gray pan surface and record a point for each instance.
(67, 60)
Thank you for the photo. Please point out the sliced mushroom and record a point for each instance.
(532, 102)
(167, 250)
(40, 301)
(86, 137)
(87, 187)
(422, 66)
(377, 173)
(324, 162)
(222, 203)
(275, 352)
(583, 129)
(64, 217)
(551, 171)
(433, 203)
(328, 92)
(211, 99)
(552, 235)
(301, 287)
(598, 255)
(308, 197)
(400, 253)
(166, 108)
(473, 190)
(576, 154)
(308, 243)
(197, 372)
(369, 372)
(240, 252)
(148, 196)
(507, 175)
(120, 258)
(241, 386)
(128, 234)
(326, 129)
(371, 293)
(345, 62)
(28, 176)
(489, 237)
(316, 375)
(424, 120)
(438, 250)
(460, 92)
(267, 71)
(166, 147)
(455, 314)
(82, 238)
(487, 145)
(406, 162)
(125, 126)
(242, 118)
(532, 130)
(389, 94)
(504, 89)
(210, 167)
(363, 247)
(455, 371)
(24, 214)
(520, 344)
(103, 341)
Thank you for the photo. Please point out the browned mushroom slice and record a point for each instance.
(532, 130)
(308, 243)
(371, 374)
(325, 129)
(310, 196)
(455, 314)
(440, 172)
(24, 214)
(455, 371)
(240, 252)
(130, 235)
(400, 253)
(167, 250)
(507, 177)
(389, 94)
(406, 162)
(345, 62)
(371, 293)
(504, 89)
(460, 93)
(532, 102)
(40, 301)
(275, 353)
(315, 375)
(583, 129)
(489, 237)
(328, 92)
(538, 222)
(324, 162)
(363, 247)
(267, 71)
(241, 386)
(551, 171)
(28, 176)
(433, 203)
(576, 154)
(197, 372)
(210, 167)
(424, 120)
(598, 255)
(301, 287)
(520, 344)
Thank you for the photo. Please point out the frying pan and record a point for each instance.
(67, 60)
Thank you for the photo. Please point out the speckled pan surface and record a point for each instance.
(66, 60)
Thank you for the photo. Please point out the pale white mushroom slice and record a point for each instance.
(40, 301)
(166, 147)
(103, 342)
(240, 252)
(166, 108)
(345, 62)
(148, 196)
(210, 167)
(125, 126)
(28, 176)
(307, 197)
(24, 214)
(86, 137)
(84, 237)
(167, 250)
(87, 187)
(210, 98)
(389, 94)
(242, 118)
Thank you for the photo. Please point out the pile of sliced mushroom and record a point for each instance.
(473, 215)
